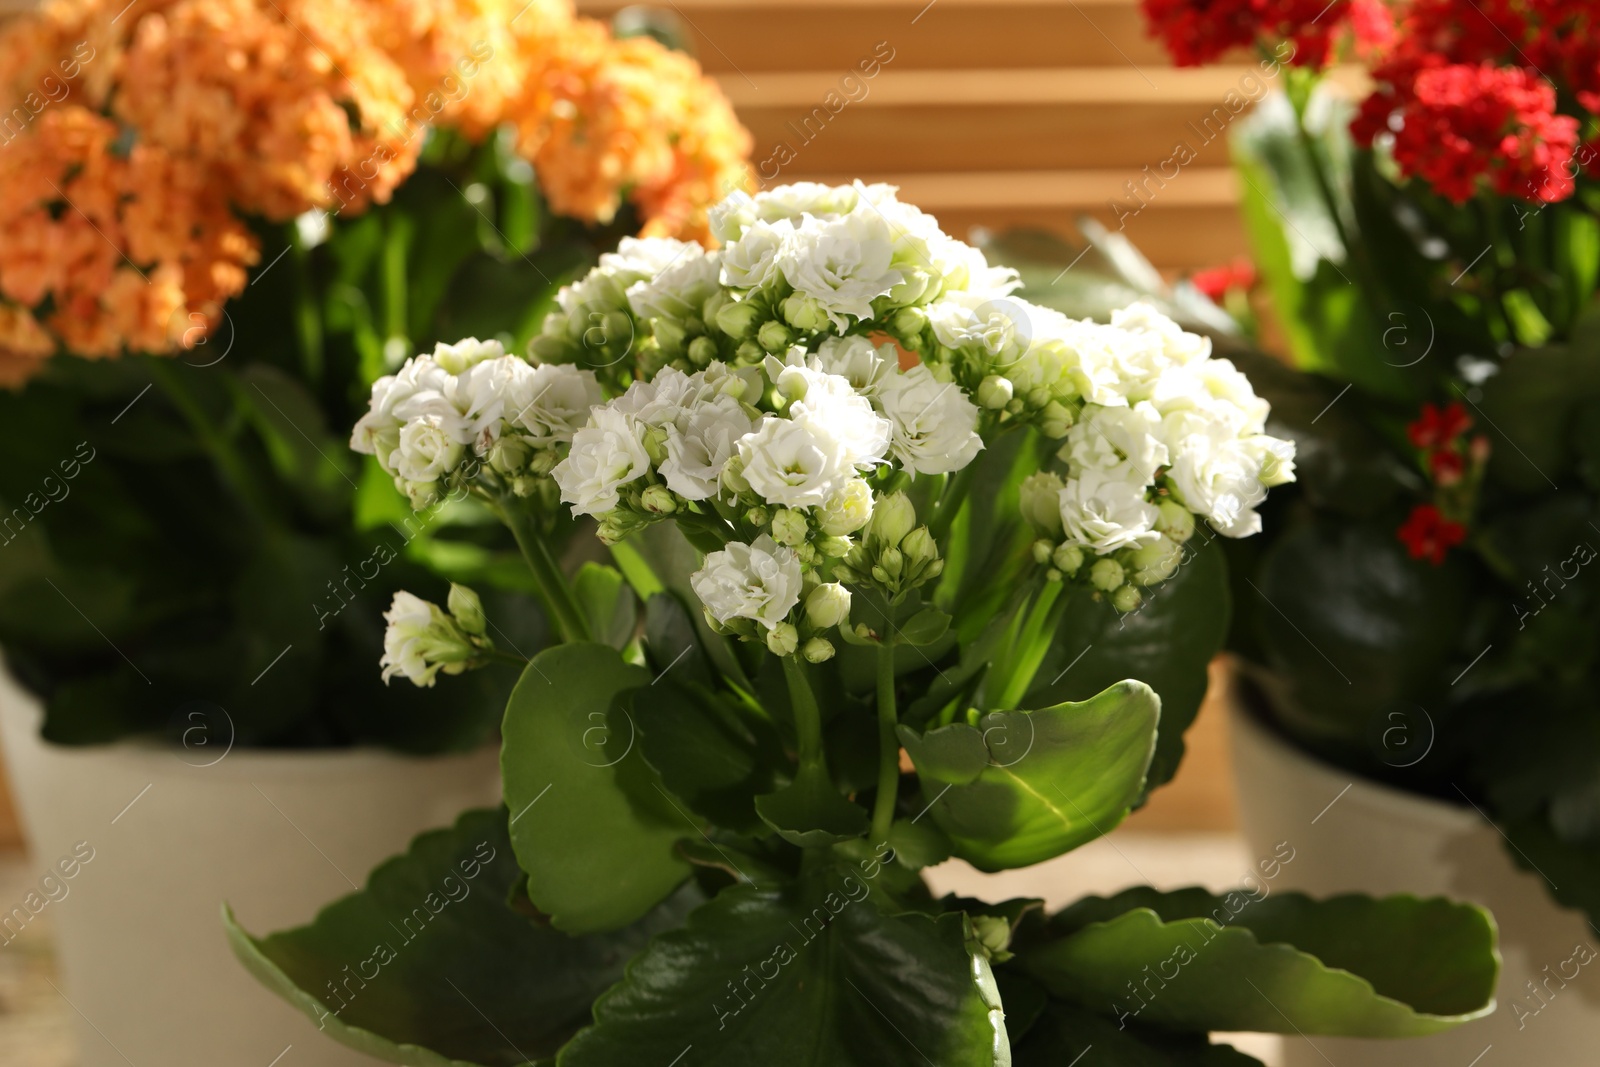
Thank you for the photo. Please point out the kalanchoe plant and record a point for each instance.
(1431, 255)
(876, 509)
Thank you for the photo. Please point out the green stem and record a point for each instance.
(807, 719)
(307, 320)
(888, 748)
(495, 655)
(553, 587)
(950, 501)
(1032, 644)
(235, 473)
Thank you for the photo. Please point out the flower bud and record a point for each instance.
(1126, 599)
(994, 392)
(1040, 496)
(757, 516)
(1055, 420)
(774, 336)
(508, 455)
(834, 547)
(1106, 575)
(1067, 559)
(828, 605)
(1155, 562)
(805, 313)
(789, 527)
(1042, 550)
(919, 547)
(908, 323)
(670, 335)
(891, 562)
(847, 510)
(738, 319)
(818, 650)
(467, 609)
(702, 350)
(1175, 520)
(783, 639)
(892, 518)
(658, 500)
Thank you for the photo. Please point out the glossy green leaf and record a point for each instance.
(1025, 786)
(1066, 1034)
(806, 975)
(714, 755)
(607, 604)
(590, 822)
(810, 810)
(1168, 644)
(428, 966)
(1352, 965)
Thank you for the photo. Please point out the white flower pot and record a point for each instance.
(1353, 835)
(174, 832)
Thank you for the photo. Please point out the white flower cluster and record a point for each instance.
(467, 400)
(421, 639)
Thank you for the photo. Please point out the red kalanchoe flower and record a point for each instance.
(1199, 31)
(1447, 466)
(1439, 426)
(1215, 282)
(1428, 535)
(1461, 123)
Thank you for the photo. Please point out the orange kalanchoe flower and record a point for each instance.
(631, 119)
(144, 136)
(123, 248)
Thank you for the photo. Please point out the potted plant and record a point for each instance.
(222, 223)
(1417, 627)
(891, 547)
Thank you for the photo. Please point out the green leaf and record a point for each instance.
(1168, 644)
(316, 464)
(607, 603)
(715, 756)
(1531, 407)
(1066, 1034)
(809, 811)
(1396, 967)
(923, 628)
(428, 966)
(590, 822)
(1021, 787)
(811, 974)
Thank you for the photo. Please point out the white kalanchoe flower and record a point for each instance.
(760, 581)
(606, 454)
(828, 406)
(468, 352)
(787, 462)
(1105, 512)
(430, 447)
(841, 266)
(552, 403)
(935, 424)
(421, 640)
(1124, 440)
(700, 443)
(752, 260)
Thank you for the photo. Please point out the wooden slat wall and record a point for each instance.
(991, 112)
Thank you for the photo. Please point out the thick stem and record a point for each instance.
(807, 719)
(553, 587)
(888, 748)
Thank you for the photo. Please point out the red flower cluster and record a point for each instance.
(1462, 123)
(1216, 282)
(1200, 32)
(1428, 535)
(1440, 434)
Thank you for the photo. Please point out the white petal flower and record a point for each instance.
(841, 265)
(759, 581)
(1128, 440)
(700, 444)
(606, 454)
(848, 510)
(480, 393)
(420, 640)
(828, 407)
(935, 424)
(1216, 474)
(752, 260)
(1106, 513)
(786, 462)
(466, 353)
(856, 360)
(678, 290)
(430, 447)
(552, 402)
(659, 401)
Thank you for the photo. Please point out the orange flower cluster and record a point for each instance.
(143, 134)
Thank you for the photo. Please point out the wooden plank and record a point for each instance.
(798, 143)
(834, 36)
